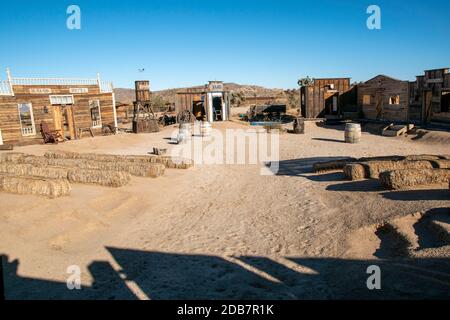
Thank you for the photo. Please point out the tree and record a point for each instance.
(305, 82)
(237, 98)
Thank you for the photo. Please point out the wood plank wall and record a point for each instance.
(383, 87)
(9, 114)
(316, 95)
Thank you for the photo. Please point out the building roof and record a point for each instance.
(439, 69)
(383, 75)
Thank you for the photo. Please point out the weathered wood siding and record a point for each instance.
(43, 110)
(381, 89)
(314, 97)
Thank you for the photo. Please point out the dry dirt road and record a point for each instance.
(226, 231)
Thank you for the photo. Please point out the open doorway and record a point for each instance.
(331, 105)
(217, 109)
(64, 121)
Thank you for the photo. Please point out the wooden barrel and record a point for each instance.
(205, 129)
(352, 132)
(299, 126)
(142, 90)
(185, 132)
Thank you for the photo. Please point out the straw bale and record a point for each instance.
(51, 188)
(407, 178)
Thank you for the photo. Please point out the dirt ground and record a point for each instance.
(226, 231)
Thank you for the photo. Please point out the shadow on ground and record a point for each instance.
(179, 276)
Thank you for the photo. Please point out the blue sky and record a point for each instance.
(188, 42)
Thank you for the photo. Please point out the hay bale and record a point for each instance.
(422, 157)
(153, 170)
(51, 188)
(113, 179)
(16, 157)
(441, 164)
(173, 162)
(31, 170)
(169, 162)
(332, 165)
(355, 171)
(374, 168)
(406, 178)
(382, 158)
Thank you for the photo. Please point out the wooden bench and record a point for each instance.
(82, 130)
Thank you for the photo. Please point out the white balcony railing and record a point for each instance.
(5, 88)
(52, 81)
(106, 87)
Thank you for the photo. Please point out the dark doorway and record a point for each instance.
(331, 105)
(445, 102)
(198, 109)
(217, 109)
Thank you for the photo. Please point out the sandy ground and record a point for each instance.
(226, 231)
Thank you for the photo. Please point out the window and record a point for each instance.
(366, 99)
(63, 100)
(96, 117)
(394, 99)
(26, 119)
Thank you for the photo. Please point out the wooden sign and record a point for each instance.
(79, 90)
(40, 90)
(215, 86)
(437, 80)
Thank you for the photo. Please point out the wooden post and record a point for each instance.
(8, 74)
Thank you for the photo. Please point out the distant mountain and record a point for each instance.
(128, 95)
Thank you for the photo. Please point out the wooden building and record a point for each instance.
(69, 105)
(209, 103)
(326, 97)
(432, 92)
(384, 98)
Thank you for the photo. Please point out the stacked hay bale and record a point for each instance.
(104, 178)
(167, 161)
(373, 169)
(355, 171)
(441, 164)
(153, 170)
(33, 171)
(52, 188)
(332, 165)
(12, 157)
(340, 164)
(394, 172)
(400, 179)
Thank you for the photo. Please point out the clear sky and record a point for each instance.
(188, 42)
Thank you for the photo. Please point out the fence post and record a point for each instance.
(8, 74)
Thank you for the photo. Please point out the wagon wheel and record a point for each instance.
(185, 117)
(163, 121)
